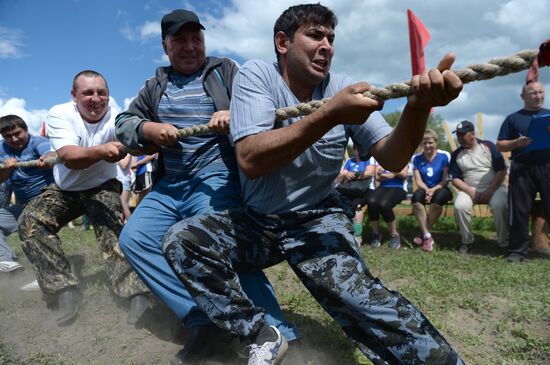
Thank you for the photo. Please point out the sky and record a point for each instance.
(44, 43)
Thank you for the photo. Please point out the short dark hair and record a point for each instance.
(10, 122)
(295, 16)
(88, 73)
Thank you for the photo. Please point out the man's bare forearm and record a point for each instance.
(394, 151)
(262, 153)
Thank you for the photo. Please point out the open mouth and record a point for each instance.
(320, 63)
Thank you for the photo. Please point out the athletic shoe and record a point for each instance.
(515, 258)
(418, 240)
(358, 240)
(32, 286)
(427, 244)
(395, 242)
(268, 353)
(375, 240)
(9, 266)
(463, 249)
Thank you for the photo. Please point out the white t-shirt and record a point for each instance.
(123, 175)
(65, 127)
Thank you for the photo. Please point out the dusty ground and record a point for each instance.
(490, 329)
(100, 335)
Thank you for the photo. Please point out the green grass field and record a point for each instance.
(492, 312)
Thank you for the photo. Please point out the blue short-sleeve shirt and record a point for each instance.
(28, 182)
(431, 172)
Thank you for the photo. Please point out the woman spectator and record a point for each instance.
(392, 189)
(430, 168)
(355, 182)
(124, 176)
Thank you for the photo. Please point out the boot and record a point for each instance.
(138, 306)
(68, 306)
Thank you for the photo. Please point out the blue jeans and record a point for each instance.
(166, 204)
(8, 225)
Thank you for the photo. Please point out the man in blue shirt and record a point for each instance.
(530, 170)
(291, 209)
(26, 183)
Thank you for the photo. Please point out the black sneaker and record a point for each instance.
(515, 258)
(375, 240)
(395, 242)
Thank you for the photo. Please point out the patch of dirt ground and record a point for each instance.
(100, 334)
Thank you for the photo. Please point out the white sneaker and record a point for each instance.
(9, 266)
(268, 353)
(32, 286)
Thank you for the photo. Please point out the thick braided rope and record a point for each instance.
(483, 71)
(496, 67)
(194, 130)
(33, 163)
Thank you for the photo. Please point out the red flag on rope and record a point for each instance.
(418, 39)
(543, 59)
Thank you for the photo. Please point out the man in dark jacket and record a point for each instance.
(199, 174)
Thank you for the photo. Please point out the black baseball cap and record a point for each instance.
(464, 126)
(173, 21)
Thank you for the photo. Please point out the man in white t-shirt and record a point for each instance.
(82, 134)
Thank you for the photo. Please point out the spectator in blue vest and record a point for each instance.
(355, 181)
(391, 190)
(430, 173)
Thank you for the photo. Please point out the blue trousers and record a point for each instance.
(168, 203)
(8, 225)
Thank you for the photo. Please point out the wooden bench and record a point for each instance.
(479, 210)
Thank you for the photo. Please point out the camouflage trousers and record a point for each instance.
(207, 251)
(44, 216)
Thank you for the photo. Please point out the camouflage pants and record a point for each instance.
(44, 216)
(207, 251)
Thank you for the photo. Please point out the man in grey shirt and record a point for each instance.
(291, 210)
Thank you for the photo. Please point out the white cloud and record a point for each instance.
(527, 18)
(17, 106)
(127, 102)
(35, 117)
(148, 31)
(10, 43)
